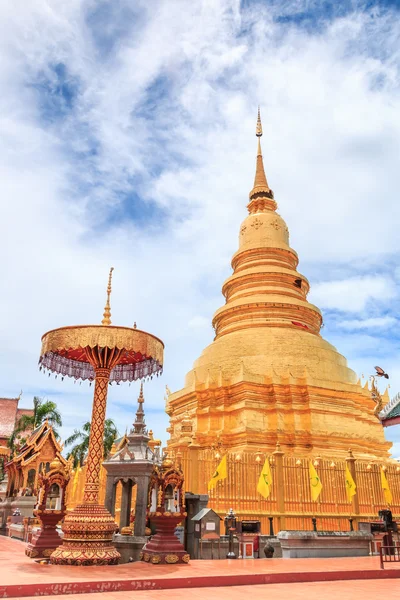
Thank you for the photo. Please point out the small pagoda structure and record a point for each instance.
(132, 465)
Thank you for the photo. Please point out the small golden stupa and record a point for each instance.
(269, 377)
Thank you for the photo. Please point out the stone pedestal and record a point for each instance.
(5, 511)
(45, 539)
(129, 547)
(214, 550)
(164, 546)
(25, 505)
(17, 530)
(3, 488)
(313, 544)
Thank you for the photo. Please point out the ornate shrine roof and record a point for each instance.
(390, 411)
(34, 444)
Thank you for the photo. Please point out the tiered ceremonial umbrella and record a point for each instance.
(103, 354)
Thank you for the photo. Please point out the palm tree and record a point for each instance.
(43, 410)
(81, 440)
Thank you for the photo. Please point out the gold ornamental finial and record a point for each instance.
(107, 310)
(141, 397)
(261, 196)
(259, 131)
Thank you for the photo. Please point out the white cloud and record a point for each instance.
(372, 323)
(352, 294)
(330, 105)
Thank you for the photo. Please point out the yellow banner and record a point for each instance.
(220, 473)
(351, 488)
(385, 486)
(315, 483)
(264, 485)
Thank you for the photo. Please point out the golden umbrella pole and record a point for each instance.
(102, 353)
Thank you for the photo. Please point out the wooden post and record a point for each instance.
(280, 489)
(351, 463)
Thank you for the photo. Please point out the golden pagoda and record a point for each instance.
(270, 384)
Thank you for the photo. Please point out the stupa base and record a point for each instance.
(88, 533)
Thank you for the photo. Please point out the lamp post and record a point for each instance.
(230, 528)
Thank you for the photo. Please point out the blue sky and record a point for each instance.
(127, 140)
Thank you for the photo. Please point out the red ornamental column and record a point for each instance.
(96, 444)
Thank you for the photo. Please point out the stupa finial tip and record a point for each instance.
(107, 309)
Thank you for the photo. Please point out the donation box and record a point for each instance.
(207, 525)
(248, 533)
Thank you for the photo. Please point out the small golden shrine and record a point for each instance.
(50, 509)
(167, 509)
(35, 457)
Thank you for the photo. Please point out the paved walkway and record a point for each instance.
(23, 577)
(345, 590)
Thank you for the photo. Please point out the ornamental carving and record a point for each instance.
(156, 559)
(256, 224)
(172, 559)
(275, 224)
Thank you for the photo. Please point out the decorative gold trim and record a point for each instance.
(155, 559)
(171, 559)
(80, 336)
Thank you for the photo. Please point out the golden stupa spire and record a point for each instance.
(107, 309)
(261, 187)
(141, 397)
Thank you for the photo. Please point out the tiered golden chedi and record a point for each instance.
(269, 376)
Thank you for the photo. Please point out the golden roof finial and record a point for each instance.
(261, 188)
(141, 397)
(259, 131)
(107, 310)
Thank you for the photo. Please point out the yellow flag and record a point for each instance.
(265, 481)
(385, 486)
(315, 483)
(350, 484)
(220, 473)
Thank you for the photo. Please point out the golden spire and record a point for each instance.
(261, 187)
(259, 124)
(141, 397)
(107, 310)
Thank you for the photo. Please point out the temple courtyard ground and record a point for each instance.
(347, 578)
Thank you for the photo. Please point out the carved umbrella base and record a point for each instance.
(164, 547)
(88, 533)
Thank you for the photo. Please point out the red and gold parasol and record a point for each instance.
(103, 354)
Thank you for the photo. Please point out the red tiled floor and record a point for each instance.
(345, 590)
(20, 576)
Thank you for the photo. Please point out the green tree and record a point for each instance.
(80, 439)
(42, 410)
